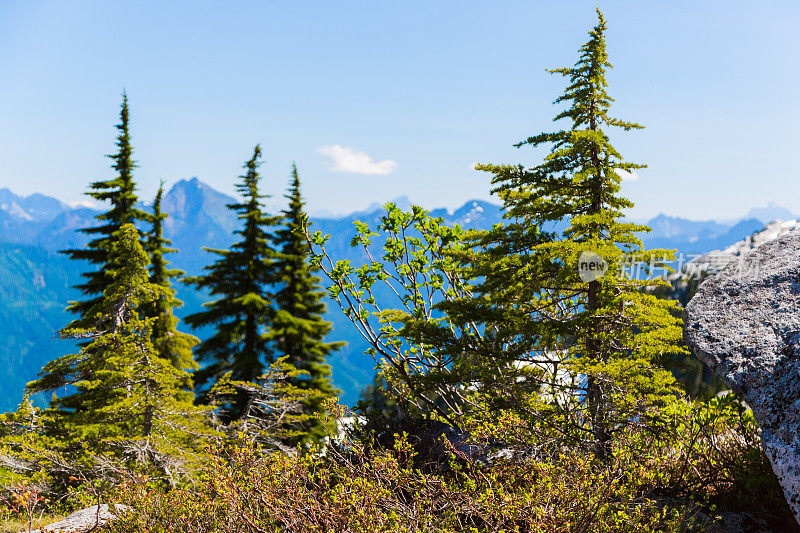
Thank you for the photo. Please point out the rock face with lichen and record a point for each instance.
(745, 324)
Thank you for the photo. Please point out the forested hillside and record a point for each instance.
(34, 287)
(197, 218)
(35, 228)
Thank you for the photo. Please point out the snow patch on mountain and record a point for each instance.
(15, 210)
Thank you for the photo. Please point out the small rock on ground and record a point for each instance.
(83, 520)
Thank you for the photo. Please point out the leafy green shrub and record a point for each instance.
(712, 455)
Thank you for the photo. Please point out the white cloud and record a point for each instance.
(91, 204)
(344, 159)
(627, 175)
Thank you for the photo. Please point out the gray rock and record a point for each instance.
(745, 324)
(84, 520)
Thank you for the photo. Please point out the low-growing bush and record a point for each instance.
(707, 463)
(244, 490)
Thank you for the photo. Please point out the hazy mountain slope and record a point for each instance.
(34, 289)
(35, 207)
(197, 218)
(667, 227)
(770, 213)
(696, 238)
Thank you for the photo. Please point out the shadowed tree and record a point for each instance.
(298, 329)
(241, 280)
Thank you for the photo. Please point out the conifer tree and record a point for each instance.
(241, 279)
(171, 344)
(120, 192)
(126, 401)
(608, 332)
(503, 324)
(298, 329)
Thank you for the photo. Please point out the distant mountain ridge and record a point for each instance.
(771, 213)
(33, 207)
(692, 237)
(36, 282)
(198, 217)
(668, 227)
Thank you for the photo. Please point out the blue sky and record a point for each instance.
(376, 99)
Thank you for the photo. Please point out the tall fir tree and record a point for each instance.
(171, 344)
(609, 333)
(120, 192)
(298, 329)
(242, 279)
(125, 401)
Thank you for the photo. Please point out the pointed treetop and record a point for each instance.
(248, 187)
(293, 194)
(120, 192)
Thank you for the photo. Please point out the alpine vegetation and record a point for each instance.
(525, 380)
